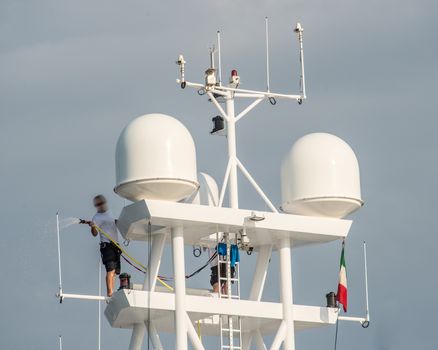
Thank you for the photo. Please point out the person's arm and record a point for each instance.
(94, 230)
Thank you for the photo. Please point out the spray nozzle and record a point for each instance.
(82, 221)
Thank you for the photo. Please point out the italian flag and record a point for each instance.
(341, 296)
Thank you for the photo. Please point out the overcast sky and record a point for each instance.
(74, 73)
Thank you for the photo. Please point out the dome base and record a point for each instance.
(332, 207)
(159, 189)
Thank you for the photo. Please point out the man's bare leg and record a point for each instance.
(110, 275)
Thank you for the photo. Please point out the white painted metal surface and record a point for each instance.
(208, 192)
(155, 159)
(320, 177)
(128, 307)
(199, 221)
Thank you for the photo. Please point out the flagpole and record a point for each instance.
(366, 280)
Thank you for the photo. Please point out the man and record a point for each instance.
(108, 250)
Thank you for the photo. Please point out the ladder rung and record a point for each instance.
(233, 330)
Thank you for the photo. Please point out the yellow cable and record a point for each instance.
(129, 256)
(199, 330)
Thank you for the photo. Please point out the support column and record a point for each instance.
(258, 339)
(155, 338)
(258, 284)
(155, 260)
(231, 137)
(150, 281)
(286, 292)
(194, 338)
(137, 336)
(180, 288)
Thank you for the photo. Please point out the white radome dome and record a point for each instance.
(155, 159)
(208, 192)
(320, 177)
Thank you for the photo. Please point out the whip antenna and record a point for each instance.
(219, 62)
(267, 54)
(59, 257)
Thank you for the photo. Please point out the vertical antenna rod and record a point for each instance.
(212, 50)
(60, 342)
(59, 255)
(99, 321)
(267, 54)
(366, 279)
(219, 61)
(299, 30)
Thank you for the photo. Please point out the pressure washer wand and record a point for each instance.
(85, 222)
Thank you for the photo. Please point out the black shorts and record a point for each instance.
(214, 277)
(110, 257)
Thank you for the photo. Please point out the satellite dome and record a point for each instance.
(155, 159)
(320, 177)
(208, 192)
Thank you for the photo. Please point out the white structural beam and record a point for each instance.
(258, 340)
(180, 288)
(82, 297)
(150, 281)
(153, 335)
(258, 283)
(254, 93)
(233, 191)
(286, 292)
(194, 338)
(279, 336)
(157, 248)
(200, 221)
(256, 186)
(137, 336)
(128, 307)
(248, 109)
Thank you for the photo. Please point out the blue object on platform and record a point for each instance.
(234, 253)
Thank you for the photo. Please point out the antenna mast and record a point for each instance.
(217, 93)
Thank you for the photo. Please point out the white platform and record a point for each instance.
(132, 306)
(200, 221)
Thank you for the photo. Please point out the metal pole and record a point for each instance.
(99, 325)
(60, 342)
(59, 254)
(156, 253)
(286, 291)
(366, 280)
(279, 337)
(267, 54)
(153, 335)
(256, 186)
(194, 338)
(137, 336)
(260, 344)
(231, 136)
(219, 61)
(259, 278)
(150, 280)
(180, 288)
(299, 31)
